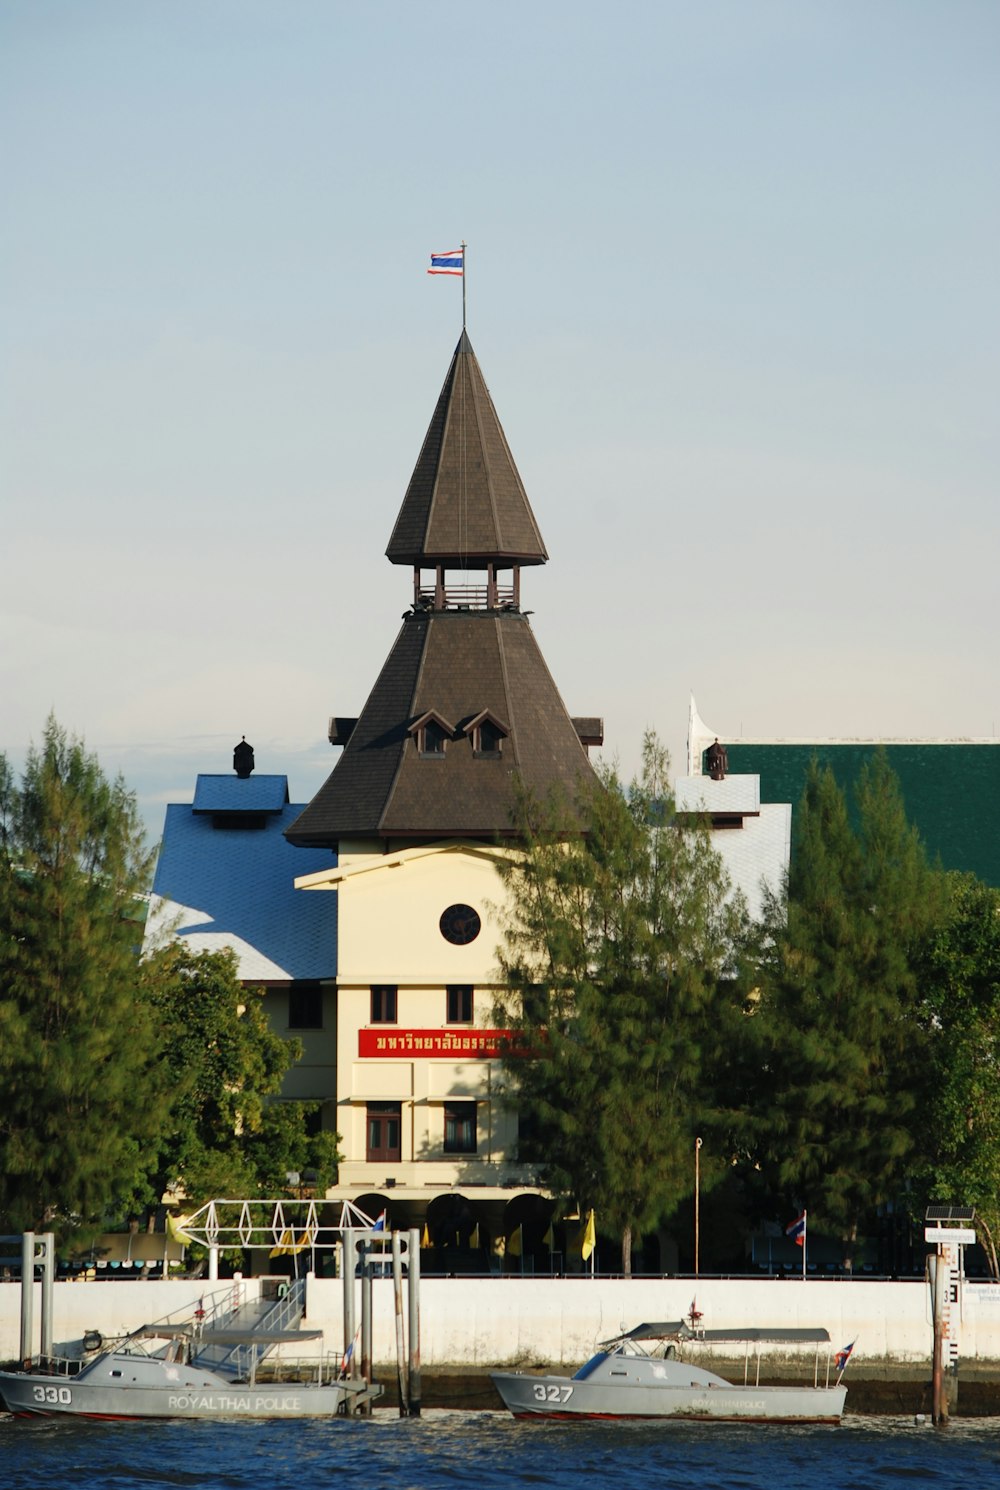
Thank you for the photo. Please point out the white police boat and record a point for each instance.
(155, 1372)
(636, 1376)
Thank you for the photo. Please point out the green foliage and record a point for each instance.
(225, 1137)
(961, 1020)
(81, 1089)
(618, 964)
(840, 1041)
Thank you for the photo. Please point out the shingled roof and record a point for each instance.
(453, 666)
(464, 708)
(465, 504)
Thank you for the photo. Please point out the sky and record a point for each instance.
(732, 282)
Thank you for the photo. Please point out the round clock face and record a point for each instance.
(460, 924)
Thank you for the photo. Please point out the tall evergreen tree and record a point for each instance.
(839, 1030)
(960, 985)
(618, 964)
(81, 1089)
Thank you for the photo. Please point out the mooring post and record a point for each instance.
(48, 1279)
(27, 1296)
(413, 1297)
(397, 1298)
(366, 1318)
(938, 1274)
(348, 1255)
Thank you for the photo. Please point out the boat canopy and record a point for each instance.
(681, 1330)
(222, 1337)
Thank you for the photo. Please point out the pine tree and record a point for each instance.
(618, 966)
(840, 1035)
(960, 982)
(81, 1091)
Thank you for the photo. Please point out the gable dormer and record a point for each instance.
(487, 734)
(431, 734)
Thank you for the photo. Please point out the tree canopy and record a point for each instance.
(841, 1044)
(226, 1135)
(960, 1016)
(120, 1080)
(83, 1093)
(619, 965)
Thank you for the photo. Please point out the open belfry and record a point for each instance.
(416, 811)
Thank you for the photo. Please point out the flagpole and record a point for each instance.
(697, 1201)
(463, 282)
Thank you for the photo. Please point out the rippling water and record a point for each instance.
(445, 1450)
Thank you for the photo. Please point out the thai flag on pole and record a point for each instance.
(452, 262)
(380, 1223)
(842, 1357)
(797, 1230)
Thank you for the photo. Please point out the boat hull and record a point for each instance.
(562, 1397)
(30, 1395)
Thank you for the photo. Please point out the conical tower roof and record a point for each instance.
(452, 670)
(465, 505)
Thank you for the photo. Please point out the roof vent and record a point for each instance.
(243, 759)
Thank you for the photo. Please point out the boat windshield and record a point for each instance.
(591, 1365)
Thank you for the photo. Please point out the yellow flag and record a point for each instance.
(289, 1244)
(175, 1228)
(425, 1240)
(549, 1239)
(474, 1238)
(514, 1245)
(589, 1237)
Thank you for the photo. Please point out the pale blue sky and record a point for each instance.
(732, 282)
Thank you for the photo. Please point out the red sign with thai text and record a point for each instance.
(432, 1045)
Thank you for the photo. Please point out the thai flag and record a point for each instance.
(797, 1230)
(452, 262)
(380, 1223)
(842, 1357)
(348, 1355)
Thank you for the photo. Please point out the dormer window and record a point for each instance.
(487, 734)
(431, 734)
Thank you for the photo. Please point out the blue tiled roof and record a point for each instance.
(240, 882)
(233, 794)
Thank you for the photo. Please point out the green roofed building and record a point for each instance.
(951, 788)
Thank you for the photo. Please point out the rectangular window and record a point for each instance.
(460, 1128)
(459, 1003)
(384, 1004)
(384, 1121)
(305, 1006)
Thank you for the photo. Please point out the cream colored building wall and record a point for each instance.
(390, 908)
(313, 1078)
(389, 934)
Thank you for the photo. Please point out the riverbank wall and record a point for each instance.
(478, 1323)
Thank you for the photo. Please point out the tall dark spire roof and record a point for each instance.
(465, 707)
(466, 504)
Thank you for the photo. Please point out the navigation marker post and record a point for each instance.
(952, 1229)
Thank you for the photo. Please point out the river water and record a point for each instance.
(446, 1450)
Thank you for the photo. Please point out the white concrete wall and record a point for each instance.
(111, 1308)
(484, 1322)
